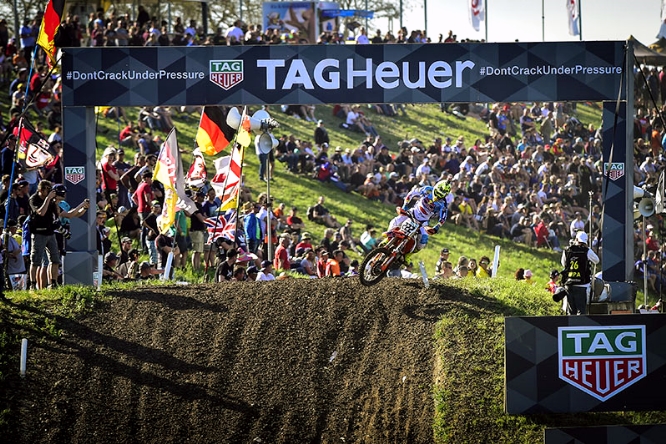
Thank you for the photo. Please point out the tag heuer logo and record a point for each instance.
(602, 361)
(226, 73)
(614, 170)
(75, 174)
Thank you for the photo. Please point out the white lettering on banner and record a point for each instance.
(388, 75)
(298, 75)
(549, 70)
(135, 75)
(270, 66)
(351, 73)
(333, 81)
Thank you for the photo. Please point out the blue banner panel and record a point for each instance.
(567, 364)
(629, 434)
(310, 74)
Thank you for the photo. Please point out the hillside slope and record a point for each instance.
(287, 362)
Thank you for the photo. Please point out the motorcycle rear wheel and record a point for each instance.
(375, 266)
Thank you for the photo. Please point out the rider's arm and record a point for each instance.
(443, 214)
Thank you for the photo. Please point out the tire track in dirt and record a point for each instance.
(286, 362)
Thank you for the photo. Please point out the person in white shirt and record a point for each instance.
(236, 32)
(406, 273)
(423, 169)
(266, 272)
(362, 39)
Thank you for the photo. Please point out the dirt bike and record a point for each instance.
(399, 242)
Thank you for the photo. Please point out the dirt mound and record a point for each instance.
(286, 362)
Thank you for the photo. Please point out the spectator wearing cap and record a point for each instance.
(109, 273)
(304, 244)
(147, 271)
(130, 268)
(125, 248)
(252, 272)
(266, 272)
(20, 79)
(577, 260)
(281, 259)
(110, 175)
(552, 283)
(443, 257)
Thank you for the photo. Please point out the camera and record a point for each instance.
(60, 190)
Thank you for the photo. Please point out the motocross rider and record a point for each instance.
(430, 202)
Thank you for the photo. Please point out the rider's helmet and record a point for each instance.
(441, 190)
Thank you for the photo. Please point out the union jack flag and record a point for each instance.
(223, 226)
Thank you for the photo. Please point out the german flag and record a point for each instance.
(50, 27)
(214, 134)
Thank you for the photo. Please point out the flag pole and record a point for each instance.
(580, 21)
(543, 22)
(485, 21)
(240, 184)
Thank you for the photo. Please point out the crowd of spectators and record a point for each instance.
(535, 177)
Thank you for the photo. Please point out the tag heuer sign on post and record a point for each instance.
(614, 170)
(226, 73)
(75, 175)
(602, 361)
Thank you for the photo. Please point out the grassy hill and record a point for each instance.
(424, 122)
(464, 334)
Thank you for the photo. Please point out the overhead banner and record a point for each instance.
(311, 74)
(568, 364)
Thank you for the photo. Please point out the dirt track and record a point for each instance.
(295, 361)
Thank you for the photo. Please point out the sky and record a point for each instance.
(509, 20)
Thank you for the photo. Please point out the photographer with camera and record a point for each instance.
(63, 231)
(44, 213)
(577, 274)
(54, 224)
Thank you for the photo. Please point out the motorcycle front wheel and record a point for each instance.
(375, 266)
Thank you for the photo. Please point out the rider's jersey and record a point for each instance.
(425, 208)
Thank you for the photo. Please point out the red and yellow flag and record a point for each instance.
(49, 28)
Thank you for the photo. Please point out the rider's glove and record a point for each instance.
(401, 210)
(431, 230)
